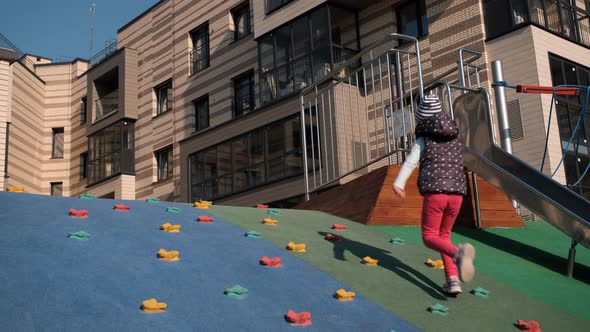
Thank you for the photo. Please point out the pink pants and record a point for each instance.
(439, 212)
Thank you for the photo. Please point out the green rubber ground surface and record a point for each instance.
(523, 275)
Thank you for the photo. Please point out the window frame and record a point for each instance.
(83, 165)
(167, 88)
(205, 100)
(52, 188)
(168, 173)
(236, 82)
(83, 110)
(281, 4)
(54, 132)
(238, 11)
(202, 29)
(420, 11)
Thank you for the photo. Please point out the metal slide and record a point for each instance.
(558, 205)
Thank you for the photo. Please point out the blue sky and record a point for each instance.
(60, 29)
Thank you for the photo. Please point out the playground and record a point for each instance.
(63, 270)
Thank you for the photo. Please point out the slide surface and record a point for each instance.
(558, 205)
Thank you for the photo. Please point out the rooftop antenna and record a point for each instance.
(92, 12)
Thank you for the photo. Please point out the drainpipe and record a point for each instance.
(6, 152)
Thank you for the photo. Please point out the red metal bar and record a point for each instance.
(564, 91)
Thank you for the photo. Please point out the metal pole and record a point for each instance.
(501, 108)
(571, 259)
(306, 175)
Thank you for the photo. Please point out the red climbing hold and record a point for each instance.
(206, 219)
(261, 206)
(531, 326)
(338, 227)
(78, 213)
(298, 318)
(333, 238)
(270, 262)
(121, 207)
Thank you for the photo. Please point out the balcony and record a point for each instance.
(106, 105)
(556, 16)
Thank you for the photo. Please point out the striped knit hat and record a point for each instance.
(429, 106)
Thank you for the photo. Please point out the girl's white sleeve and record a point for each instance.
(412, 160)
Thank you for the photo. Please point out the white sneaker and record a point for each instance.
(452, 287)
(464, 259)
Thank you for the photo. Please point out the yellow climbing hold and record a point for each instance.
(14, 189)
(152, 305)
(343, 295)
(203, 204)
(370, 261)
(268, 221)
(437, 264)
(168, 227)
(299, 247)
(171, 255)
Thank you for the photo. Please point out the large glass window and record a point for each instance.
(267, 154)
(272, 5)
(305, 50)
(243, 94)
(201, 106)
(111, 151)
(200, 52)
(241, 20)
(560, 17)
(164, 97)
(57, 146)
(568, 110)
(412, 19)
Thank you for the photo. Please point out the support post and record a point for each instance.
(571, 259)
(502, 110)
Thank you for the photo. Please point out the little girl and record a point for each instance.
(442, 182)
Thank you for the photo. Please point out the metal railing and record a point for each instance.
(557, 16)
(356, 118)
(104, 53)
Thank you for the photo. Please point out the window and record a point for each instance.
(84, 165)
(200, 52)
(241, 20)
(201, 113)
(272, 5)
(83, 110)
(244, 94)
(57, 147)
(56, 188)
(266, 154)
(301, 52)
(567, 111)
(164, 163)
(164, 94)
(111, 151)
(412, 19)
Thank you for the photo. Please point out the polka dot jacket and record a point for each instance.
(441, 161)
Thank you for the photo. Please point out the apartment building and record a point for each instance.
(201, 99)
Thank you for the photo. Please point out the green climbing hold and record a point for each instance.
(173, 210)
(274, 212)
(86, 196)
(439, 309)
(480, 292)
(253, 234)
(80, 236)
(152, 199)
(236, 292)
(397, 241)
